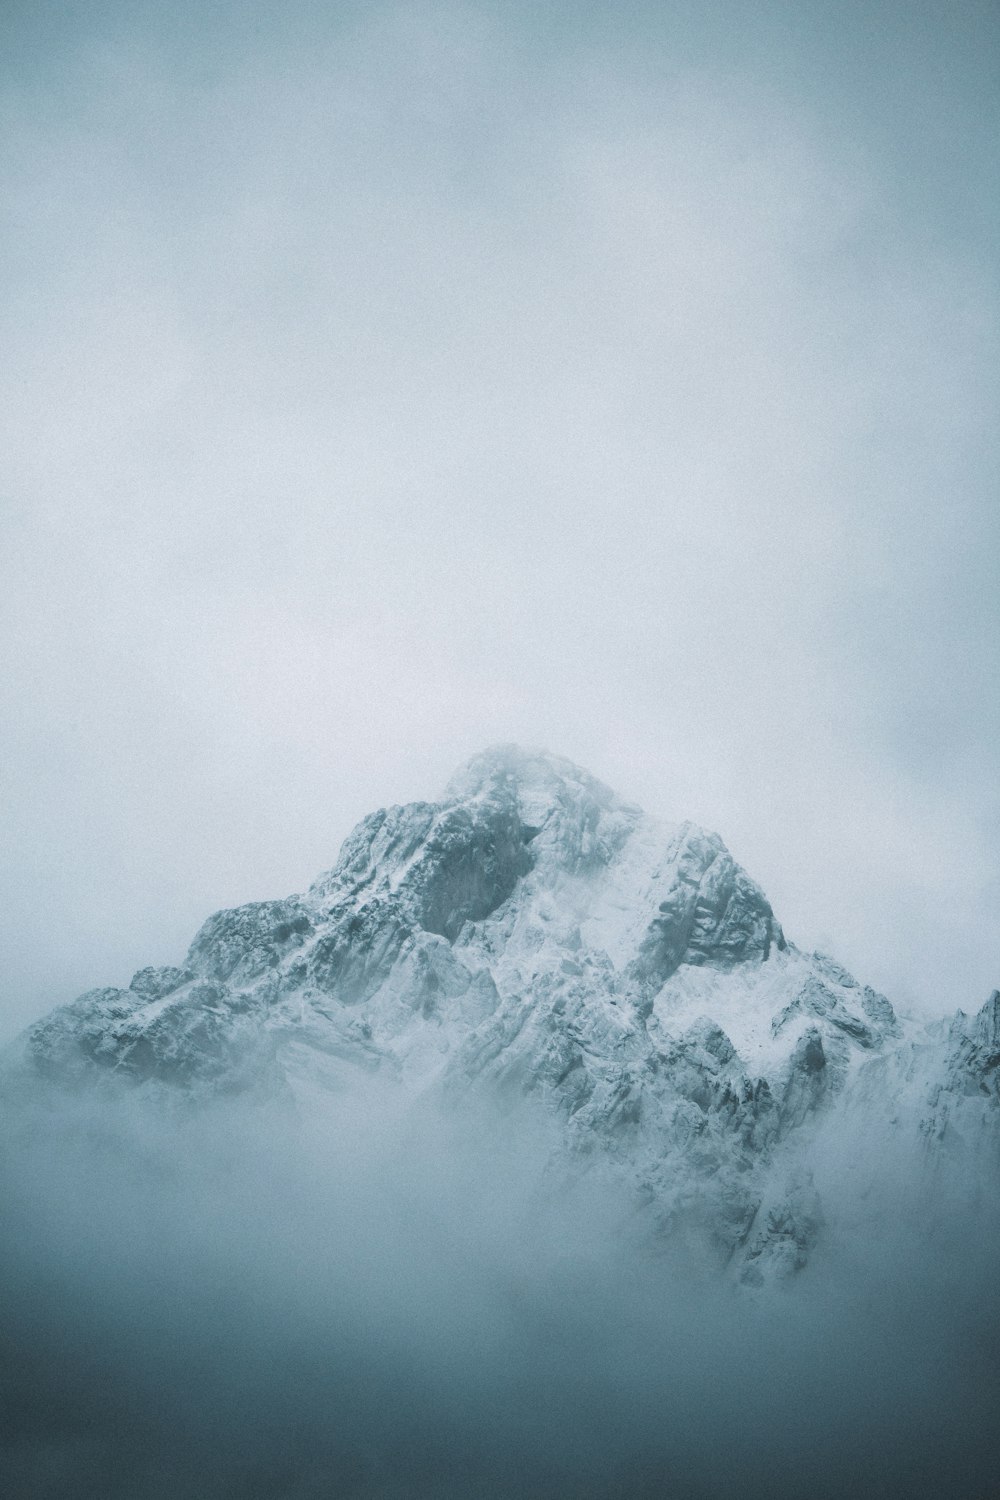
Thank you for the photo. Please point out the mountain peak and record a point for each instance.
(526, 770)
(533, 933)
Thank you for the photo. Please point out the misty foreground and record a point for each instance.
(521, 1156)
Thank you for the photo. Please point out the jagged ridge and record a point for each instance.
(532, 934)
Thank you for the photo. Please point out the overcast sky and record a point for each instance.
(384, 381)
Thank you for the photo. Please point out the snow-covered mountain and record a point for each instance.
(533, 936)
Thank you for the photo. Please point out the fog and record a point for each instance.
(383, 381)
(365, 1301)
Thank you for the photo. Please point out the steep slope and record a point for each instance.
(531, 935)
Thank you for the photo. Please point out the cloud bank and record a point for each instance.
(363, 1302)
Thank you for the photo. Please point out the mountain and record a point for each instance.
(531, 936)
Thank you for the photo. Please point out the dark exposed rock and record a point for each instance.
(241, 944)
(712, 913)
(153, 984)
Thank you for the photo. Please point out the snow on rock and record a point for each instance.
(533, 935)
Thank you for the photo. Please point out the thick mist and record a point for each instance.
(362, 1300)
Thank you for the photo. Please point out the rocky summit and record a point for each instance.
(533, 936)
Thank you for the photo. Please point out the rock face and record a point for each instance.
(533, 935)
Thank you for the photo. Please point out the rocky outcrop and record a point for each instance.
(783, 1233)
(711, 912)
(961, 1085)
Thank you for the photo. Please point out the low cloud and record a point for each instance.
(363, 1302)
